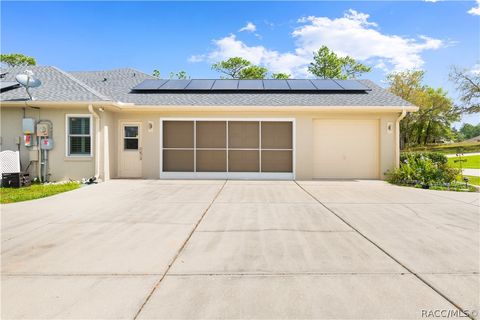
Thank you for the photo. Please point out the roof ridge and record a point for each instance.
(85, 86)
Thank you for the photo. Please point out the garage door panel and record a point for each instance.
(211, 134)
(243, 161)
(277, 135)
(276, 161)
(346, 149)
(178, 134)
(178, 160)
(211, 160)
(243, 134)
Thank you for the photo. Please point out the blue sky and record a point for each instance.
(280, 35)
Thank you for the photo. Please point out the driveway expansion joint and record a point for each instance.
(180, 250)
(388, 254)
(269, 230)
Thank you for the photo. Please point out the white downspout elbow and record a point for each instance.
(397, 137)
(97, 139)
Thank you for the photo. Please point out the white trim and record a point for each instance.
(228, 175)
(67, 135)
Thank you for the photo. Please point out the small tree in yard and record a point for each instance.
(436, 111)
(17, 59)
(468, 84)
(179, 75)
(231, 67)
(280, 76)
(328, 65)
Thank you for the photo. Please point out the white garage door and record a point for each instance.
(346, 149)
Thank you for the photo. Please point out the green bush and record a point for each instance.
(423, 168)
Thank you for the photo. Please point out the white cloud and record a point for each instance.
(249, 27)
(475, 10)
(353, 35)
(432, 1)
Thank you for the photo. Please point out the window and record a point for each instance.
(79, 135)
(130, 138)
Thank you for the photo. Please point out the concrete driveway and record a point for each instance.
(241, 249)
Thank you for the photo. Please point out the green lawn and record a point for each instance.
(473, 162)
(448, 148)
(471, 180)
(35, 191)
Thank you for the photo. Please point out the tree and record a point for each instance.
(253, 72)
(328, 65)
(231, 67)
(352, 69)
(468, 131)
(179, 75)
(17, 59)
(156, 73)
(436, 113)
(468, 85)
(280, 76)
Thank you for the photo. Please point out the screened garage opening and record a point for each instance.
(227, 149)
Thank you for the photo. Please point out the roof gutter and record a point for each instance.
(397, 137)
(131, 107)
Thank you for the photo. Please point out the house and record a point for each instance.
(124, 123)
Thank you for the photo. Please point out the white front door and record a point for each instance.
(130, 146)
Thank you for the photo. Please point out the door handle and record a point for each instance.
(140, 152)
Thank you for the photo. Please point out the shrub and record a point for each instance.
(424, 168)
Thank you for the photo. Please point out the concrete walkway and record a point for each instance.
(241, 249)
(465, 154)
(471, 172)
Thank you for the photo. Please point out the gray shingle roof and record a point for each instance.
(57, 85)
(115, 85)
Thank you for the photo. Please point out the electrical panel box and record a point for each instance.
(46, 143)
(33, 155)
(28, 125)
(43, 130)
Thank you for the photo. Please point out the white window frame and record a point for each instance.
(67, 135)
(229, 175)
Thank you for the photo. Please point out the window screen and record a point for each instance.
(276, 135)
(211, 134)
(178, 134)
(178, 160)
(243, 134)
(79, 137)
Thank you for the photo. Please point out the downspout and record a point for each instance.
(97, 139)
(397, 137)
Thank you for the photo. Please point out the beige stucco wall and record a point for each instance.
(303, 135)
(62, 167)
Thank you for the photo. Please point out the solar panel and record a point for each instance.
(175, 84)
(4, 85)
(225, 85)
(149, 84)
(247, 85)
(200, 85)
(326, 84)
(271, 84)
(353, 85)
(298, 84)
(250, 85)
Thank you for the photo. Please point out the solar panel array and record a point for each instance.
(250, 85)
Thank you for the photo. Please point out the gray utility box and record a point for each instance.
(28, 126)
